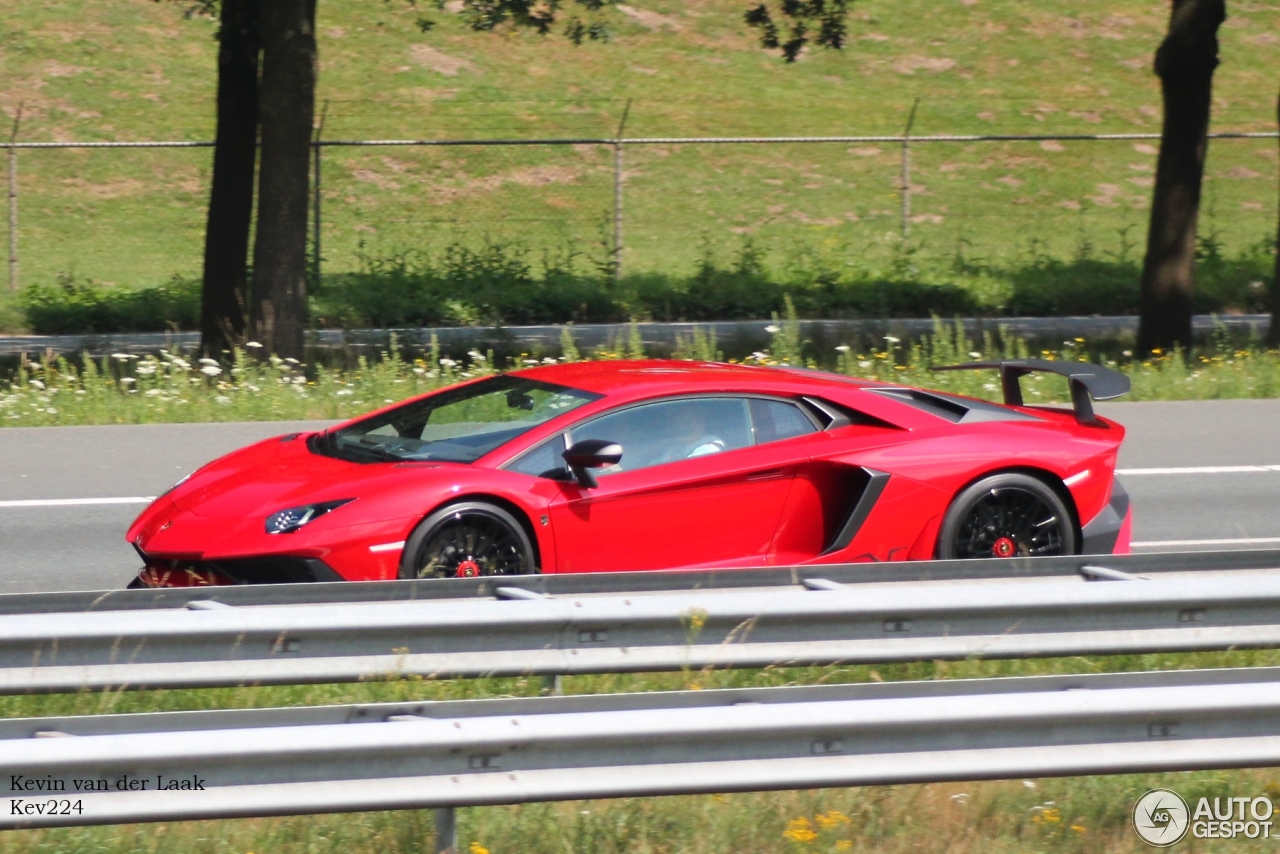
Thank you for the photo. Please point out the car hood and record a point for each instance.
(279, 473)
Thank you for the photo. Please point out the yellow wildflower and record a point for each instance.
(800, 830)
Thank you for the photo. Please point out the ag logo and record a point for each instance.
(1161, 817)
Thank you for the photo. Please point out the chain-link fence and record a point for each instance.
(133, 212)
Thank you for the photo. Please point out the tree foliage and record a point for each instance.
(807, 21)
(540, 16)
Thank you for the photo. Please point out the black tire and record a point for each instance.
(1007, 515)
(465, 540)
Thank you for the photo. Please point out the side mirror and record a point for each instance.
(590, 454)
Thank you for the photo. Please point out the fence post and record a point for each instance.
(906, 170)
(446, 831)
(315, 204)
(617, 195)
(13, 202)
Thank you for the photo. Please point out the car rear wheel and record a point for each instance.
(1007, 515)
(467, 540)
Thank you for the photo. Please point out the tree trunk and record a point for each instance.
(226, 242)
(1185, 63)
(287, 101)
(1273, 333)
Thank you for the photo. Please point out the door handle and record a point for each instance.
(771, 474)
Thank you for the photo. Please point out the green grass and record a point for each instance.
(128, 69)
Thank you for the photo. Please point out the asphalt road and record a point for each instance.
(1197, 472)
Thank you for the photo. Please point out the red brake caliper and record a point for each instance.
(1004, 547)
(468, 569)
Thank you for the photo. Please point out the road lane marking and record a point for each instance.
(77, 502)
(1199, 470)
(1243, 541)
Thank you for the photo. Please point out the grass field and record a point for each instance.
(134, 69)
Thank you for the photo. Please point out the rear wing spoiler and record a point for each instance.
(1088, 382)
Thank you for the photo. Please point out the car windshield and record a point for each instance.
(458, 425)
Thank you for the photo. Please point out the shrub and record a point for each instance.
(73, 306)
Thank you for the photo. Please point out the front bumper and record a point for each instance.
(160, 572)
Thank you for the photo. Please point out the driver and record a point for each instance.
(693, 438)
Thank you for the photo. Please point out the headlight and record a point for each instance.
(288, 521)
(175, 486)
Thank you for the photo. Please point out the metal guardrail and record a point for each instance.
(586, 584)
(523, 632)
(744, 335)
(398, 756)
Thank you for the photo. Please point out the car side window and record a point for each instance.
(667, 431)
(545, 460)
(672, 430)
(774, 420)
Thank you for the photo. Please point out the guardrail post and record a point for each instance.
(446, 831)
(552, 686)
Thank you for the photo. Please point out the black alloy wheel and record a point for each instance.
(1007, 515)
(468, 540)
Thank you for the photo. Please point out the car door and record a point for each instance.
(696, 486)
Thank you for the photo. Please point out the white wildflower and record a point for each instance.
(843, 348)
(989, 386)
(864, 364)
(891, 339)
(773, 329)
(548, 361)
(211, 370)
(529, 361)
(342, 391)
(127, 380)
(213, 362)
(292, 360)
(181, 363)
(222, 398)
(254, 344)
(120, 357)
(448, 363)
(153, 392)
(974, 354)
(146, 368)
(37, 384)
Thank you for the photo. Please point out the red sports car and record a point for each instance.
(608, 466)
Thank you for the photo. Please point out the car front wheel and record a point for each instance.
(1007, 515)
(468, 540)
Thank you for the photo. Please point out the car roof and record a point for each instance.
(614, 376)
